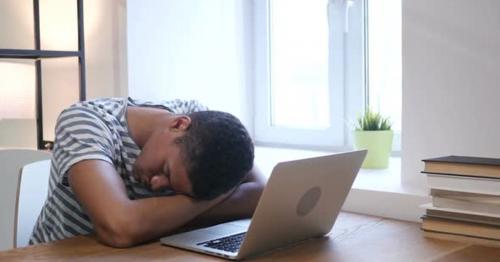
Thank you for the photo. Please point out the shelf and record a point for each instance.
(36, 54)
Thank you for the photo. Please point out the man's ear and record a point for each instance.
(181, 122)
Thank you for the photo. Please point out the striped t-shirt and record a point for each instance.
(94, 129)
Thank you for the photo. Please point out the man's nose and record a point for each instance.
(159, 182)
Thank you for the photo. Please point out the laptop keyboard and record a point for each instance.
(230, 243)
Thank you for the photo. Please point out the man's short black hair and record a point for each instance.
(218, 152)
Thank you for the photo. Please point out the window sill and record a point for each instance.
(381, 179)
(374, 192)
(369, 179)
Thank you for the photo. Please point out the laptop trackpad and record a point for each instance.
(229, 228)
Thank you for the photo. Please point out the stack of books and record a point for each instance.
(465, 199)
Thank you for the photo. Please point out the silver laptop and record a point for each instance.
(301, 200)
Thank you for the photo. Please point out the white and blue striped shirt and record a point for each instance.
(95, 129)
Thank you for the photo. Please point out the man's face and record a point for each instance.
(160, 164)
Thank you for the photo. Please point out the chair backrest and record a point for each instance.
(11, 162)
(32, 193)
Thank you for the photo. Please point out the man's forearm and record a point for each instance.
(156, 217)
(119, 221)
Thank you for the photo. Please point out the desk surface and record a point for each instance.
(354, 238)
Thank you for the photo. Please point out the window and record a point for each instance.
(305, 95)
(298, 64)
(384, 62)
(316, 69)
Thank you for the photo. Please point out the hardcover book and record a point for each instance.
(479, 185)
(461, 215)
(474, 202)
(463, 165)
(440, 225)
(463, 239)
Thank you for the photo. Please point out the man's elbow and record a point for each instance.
(259, 188)
(253, 192)
(119, 234)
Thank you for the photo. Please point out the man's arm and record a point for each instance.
(121, 222)
(240, 204)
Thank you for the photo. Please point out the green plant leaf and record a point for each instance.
(373, 121)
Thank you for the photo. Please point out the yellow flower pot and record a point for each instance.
(379, 146)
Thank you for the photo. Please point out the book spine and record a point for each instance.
(460, 175)
(461, 228)
(471, 185)
(466, 205)
(463, 239)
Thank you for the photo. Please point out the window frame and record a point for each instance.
(396, 140)
(346, 79)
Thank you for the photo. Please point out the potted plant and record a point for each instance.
(373, 132)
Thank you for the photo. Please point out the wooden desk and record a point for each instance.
(354, 238)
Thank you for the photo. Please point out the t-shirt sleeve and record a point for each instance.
(179, 106)
(80, 134)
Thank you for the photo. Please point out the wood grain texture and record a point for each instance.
(354, 238)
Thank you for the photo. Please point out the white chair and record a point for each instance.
(32, 192)
(11, 162)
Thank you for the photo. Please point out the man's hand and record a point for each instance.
(238, 203)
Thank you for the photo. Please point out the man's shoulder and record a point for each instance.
(100, 103)
(178, 106)
(98, 108)
(99, 114)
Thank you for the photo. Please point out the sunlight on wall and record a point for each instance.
(59, 23)
(17, 96)
(16, 30)
(60, 76)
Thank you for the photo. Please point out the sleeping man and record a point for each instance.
(130, 171)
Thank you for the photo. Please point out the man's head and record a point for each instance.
(218, 153)
(203, 154)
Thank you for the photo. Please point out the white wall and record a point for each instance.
(105, 42)
(451, 81)
(191, 49)
(106, 48)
